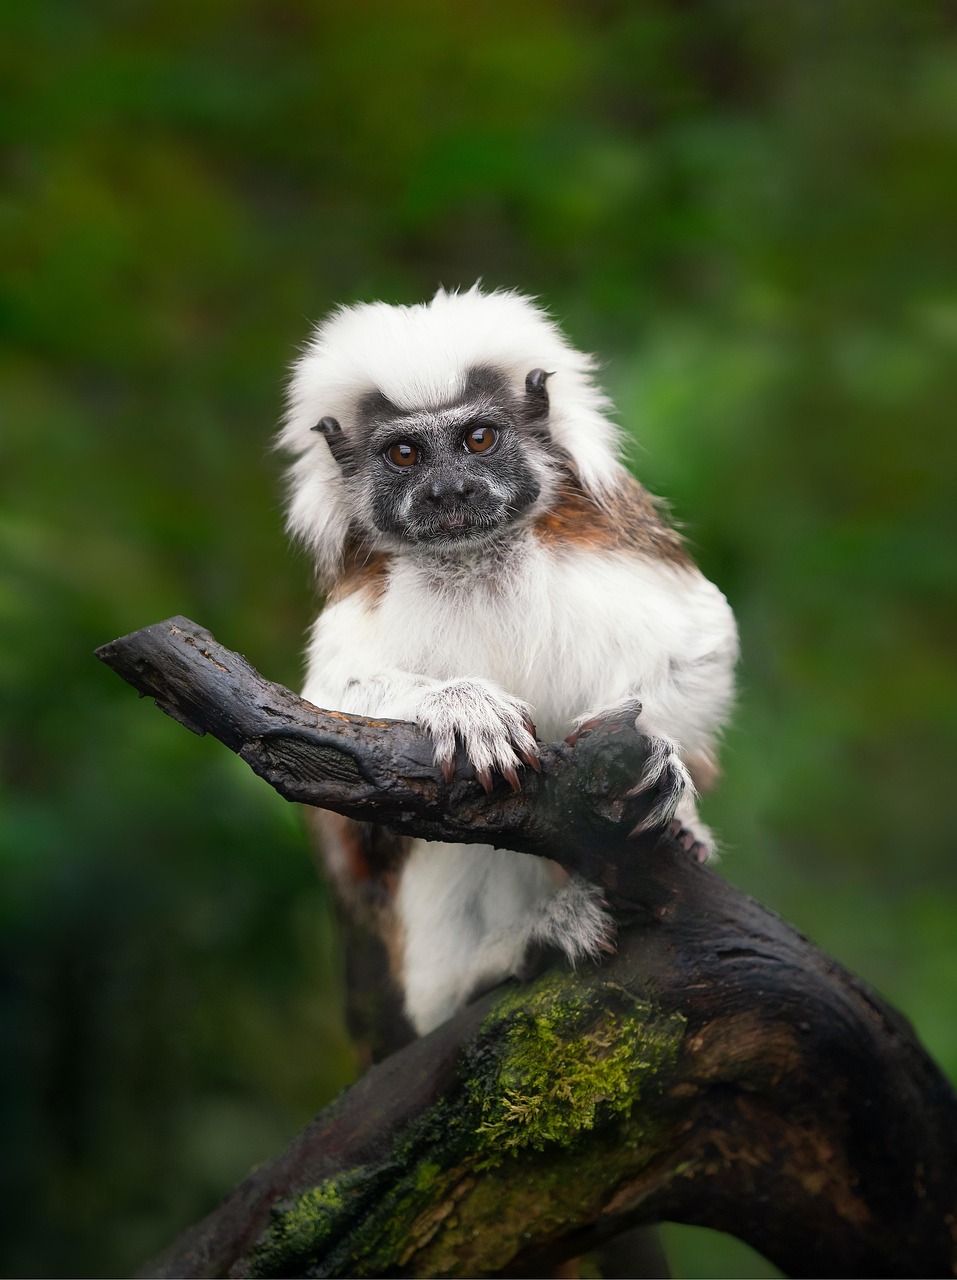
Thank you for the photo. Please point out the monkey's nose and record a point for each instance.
(450, 489)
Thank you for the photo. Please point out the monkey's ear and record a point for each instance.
(338, 443)
(536, 396)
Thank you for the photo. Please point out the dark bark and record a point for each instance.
(718, 1070)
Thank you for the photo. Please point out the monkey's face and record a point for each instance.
(453, 475)
(449, 480)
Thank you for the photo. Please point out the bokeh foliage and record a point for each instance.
(747, 208)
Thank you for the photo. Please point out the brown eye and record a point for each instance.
(402, 454)
(481, 439)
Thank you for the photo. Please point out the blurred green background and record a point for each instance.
(748, 209)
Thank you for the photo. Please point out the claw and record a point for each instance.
(686, 839)
(448, 769)
(647, 781)
(649, 822)
(485, 780)
(511, 777)
(624, 713)
(531, 759)
(585, 727)
(655, 767)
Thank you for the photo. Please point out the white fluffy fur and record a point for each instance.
(463, 646)
(471, 912)
(419, 356)
(569, 633)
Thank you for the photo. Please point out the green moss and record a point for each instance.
(565, 1062)
(553, 1062)
(301, 1229)
(426, 1174)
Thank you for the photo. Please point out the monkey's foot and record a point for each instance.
(701, 847)
(574, 920)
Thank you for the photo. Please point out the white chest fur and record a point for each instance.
(569, 632)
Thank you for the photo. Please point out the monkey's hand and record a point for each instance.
(665, 776)
(495, 729)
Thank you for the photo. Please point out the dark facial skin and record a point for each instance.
(454, 475)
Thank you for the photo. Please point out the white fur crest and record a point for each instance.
(418, 356)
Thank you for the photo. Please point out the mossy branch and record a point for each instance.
(718, 1070)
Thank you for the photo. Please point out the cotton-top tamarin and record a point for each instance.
(490, 568)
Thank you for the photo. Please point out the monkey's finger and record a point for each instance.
(662, 760)
(623, 713)
(683, 836)
(687, 840)
(662, 808)
(606, 942)
(528, 751)
(645, 783)
(585, 727)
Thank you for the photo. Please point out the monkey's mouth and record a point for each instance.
(454, 522)
(455, 525)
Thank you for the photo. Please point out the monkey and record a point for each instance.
(493, 572)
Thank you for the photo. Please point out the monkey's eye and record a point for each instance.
(402, 454)
(480, 439)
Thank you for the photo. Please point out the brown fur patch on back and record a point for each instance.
(364, 862)
(628, 519)
(362, 858)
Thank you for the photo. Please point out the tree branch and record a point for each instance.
(576, 811)
(718, 1070)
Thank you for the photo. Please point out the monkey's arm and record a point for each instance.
(669, 653)
(383, 770)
